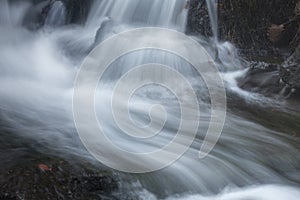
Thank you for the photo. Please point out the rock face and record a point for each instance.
(77, 10)
(245, 22)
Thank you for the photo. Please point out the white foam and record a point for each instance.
(267, 192)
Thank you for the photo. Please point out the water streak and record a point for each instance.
(36, 82)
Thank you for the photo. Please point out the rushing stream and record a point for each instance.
(38, 69)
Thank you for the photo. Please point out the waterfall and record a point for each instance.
(56, 15)
(224, 53)
(166, 13)
(212, 6)
(38, 69)
(11, 14)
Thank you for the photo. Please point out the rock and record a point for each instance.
(56, 14)
(272, 80)
(21, 179)
(9, 197)
(291, 75)
(34, 17)
(297, 8)
(77, 10)
(290, 70)
(262, 78)
(245, 23)
(105, 28)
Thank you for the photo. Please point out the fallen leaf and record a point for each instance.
(44, 167)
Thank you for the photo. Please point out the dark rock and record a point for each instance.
(272, 80)
(263, 78)
(77, 10)
(198, 19)
(35, 17)
(245, 23)
(105, 28)
(21, 178)
(56, 14)
(291, 75)
(290, 70)
(8, 197)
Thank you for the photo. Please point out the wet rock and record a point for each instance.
(37, 15)
(263, 78)
(272, 80)
(7, 196)
(95, 183)
(34, 17)
(22, 179)
(56, 14)
(291, 75)
(290, 70)
(77, 10)
(106, 27)
(245, 23)
(198, 19)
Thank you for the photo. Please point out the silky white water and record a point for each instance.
(57, 14)
(168, 13)
(38, 69)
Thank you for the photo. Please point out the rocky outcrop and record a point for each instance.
(245, 23)
(77, 10)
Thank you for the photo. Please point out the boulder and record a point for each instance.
(262, 78)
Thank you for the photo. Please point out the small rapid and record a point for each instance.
(38, 69)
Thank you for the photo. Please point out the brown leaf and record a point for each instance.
(44, 167)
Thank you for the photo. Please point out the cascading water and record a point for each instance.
(56, 15)
(249, 162)
(223, 52)
(212, 6)
(168, 13)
